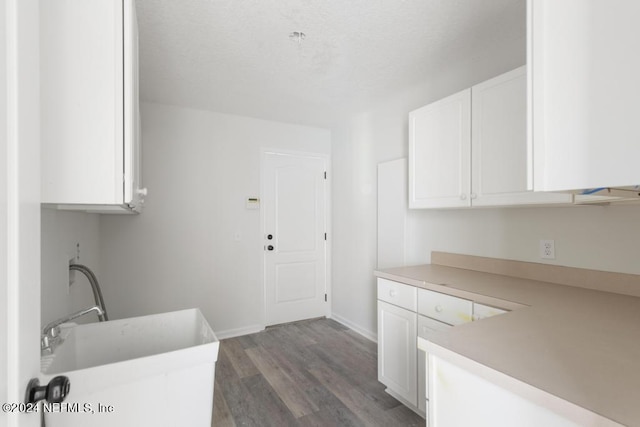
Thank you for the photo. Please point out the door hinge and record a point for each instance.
(325, 297)
(325, 174)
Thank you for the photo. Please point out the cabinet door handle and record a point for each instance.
(393, 293)
(438, 308)
(463, 197)
(474, 195)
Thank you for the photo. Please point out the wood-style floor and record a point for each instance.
(310, 373)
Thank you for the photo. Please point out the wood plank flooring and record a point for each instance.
(310, 373)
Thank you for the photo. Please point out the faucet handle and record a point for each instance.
(54, 332)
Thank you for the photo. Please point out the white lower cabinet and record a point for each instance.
(397, 352)
(404, 314)
(461, 398)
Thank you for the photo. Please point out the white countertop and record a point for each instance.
(580, 345)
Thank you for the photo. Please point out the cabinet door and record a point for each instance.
(584, 84)
(426, 327)
(132, 131)
(440, 153)
(502, 161)
(89, 104)
(82, 101)
(397, 351)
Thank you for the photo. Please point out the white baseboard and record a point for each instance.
(371, 336)
(238, 332)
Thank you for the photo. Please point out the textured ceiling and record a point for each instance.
(235, 56)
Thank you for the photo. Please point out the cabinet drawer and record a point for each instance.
(481, 311)
(399, 294)
(445, 308)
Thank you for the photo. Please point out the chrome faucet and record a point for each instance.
(51, 333)
(95, 287)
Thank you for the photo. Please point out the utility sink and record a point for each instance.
(151, 370)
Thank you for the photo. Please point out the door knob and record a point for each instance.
(54, 392)
(269, 236)
(270, 247)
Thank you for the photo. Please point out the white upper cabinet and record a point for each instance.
(89, 105)
(440, 153)
(501, 158)
(584, 73)
(471, 149)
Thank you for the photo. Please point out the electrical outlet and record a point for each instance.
(547, 249)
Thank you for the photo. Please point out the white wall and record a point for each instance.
(601, 238)
(61, 231)
(180, 252)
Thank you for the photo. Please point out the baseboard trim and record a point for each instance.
(371, 336)
(238, 332)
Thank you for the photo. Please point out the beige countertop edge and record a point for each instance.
(451, 290)
(568, 410)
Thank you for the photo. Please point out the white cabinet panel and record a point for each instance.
(445, 308)
(397, 294)
(439, 153)
(89, 103)
(584, 86)
(460, 398)
(397, 351)
(423, 374)
(502, 161)
(426, 328)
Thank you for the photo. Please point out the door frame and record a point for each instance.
(20, 206)
(327, 215)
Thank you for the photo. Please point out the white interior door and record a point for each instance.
(19, 207)
(295, 260)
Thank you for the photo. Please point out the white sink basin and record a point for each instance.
(152, 370)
